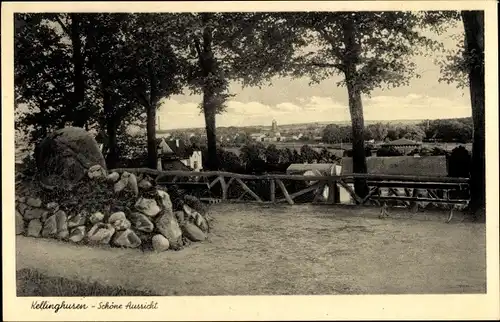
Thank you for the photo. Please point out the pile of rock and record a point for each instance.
(151, 221)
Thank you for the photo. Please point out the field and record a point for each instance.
(258, 250)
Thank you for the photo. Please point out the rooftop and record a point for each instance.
(175, 147)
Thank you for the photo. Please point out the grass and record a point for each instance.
(30, 282)
(288, 250)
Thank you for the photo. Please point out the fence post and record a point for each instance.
(224, 187)
(273, 190)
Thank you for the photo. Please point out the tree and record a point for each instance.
(297, 158)
(42, 75)
(474, 35)
(71, 26)
(72, 69)
(466, 68)
(378, 131)
(286, 155)
(370, 49)
(156, 65)
(272, 154)
(413, 132)
(232, 46)
(252, 152)
(308, 154)
(334, 133)
(105, 48)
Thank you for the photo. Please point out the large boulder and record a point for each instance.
(167, 225)
(64, 157)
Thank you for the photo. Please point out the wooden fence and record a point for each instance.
(285, 188)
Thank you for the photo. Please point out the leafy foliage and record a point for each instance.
(42, 75)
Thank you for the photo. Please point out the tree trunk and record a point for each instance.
(209, 112)
(81, 116)
(207, 64)
(355, 106)
(112, 154)
(358, 144)
(474, 41)
(151, 119)
(109, 146)
(151, 134)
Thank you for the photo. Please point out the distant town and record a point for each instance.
(458, 130)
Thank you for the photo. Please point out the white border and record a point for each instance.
(387, 307)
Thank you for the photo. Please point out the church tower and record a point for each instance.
(274, 127)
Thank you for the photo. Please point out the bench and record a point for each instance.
(429, 186)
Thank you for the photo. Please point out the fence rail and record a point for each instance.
(283, 188)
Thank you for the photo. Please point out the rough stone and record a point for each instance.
(97, 171)
(21, 206)
(132, 184)
(21, 199)
(119, 215)
(160, 243)
(165, 200)
(35, 213)
(77, 234)
(53, 207)
(62, 224)
(180, 216)
(196, 218)
(200, 222)
(149, 207)
(125, 175)
(64, 157)
(77, 220)
(196, 204)
(113, 176)
(168, 226)
(34, 228)
(120, 185)
(96, 217)
(145, 184)
(187, 210)
(50, 227)
(144, 237)
(100, 233)
(34, 202)
(126, 238)
(141, 222)
(192, 232)
(19, 223)
(119, 221)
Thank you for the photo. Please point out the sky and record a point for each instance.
(291, 101)
(296, 101)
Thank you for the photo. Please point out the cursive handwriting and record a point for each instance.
(129, 306)
(46, 305)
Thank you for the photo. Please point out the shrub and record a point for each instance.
(388, 152)
(459, 163)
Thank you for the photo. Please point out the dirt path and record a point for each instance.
(255, 250)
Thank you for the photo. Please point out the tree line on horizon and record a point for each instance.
(105, 71)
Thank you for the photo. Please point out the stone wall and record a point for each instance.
(148, 221)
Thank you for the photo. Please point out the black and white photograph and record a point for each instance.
(212, 152)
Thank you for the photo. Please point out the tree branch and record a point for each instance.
(63, 26)
(327, 65)
(140, 95)
(332, 41)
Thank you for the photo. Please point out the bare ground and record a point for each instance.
(258, 250)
